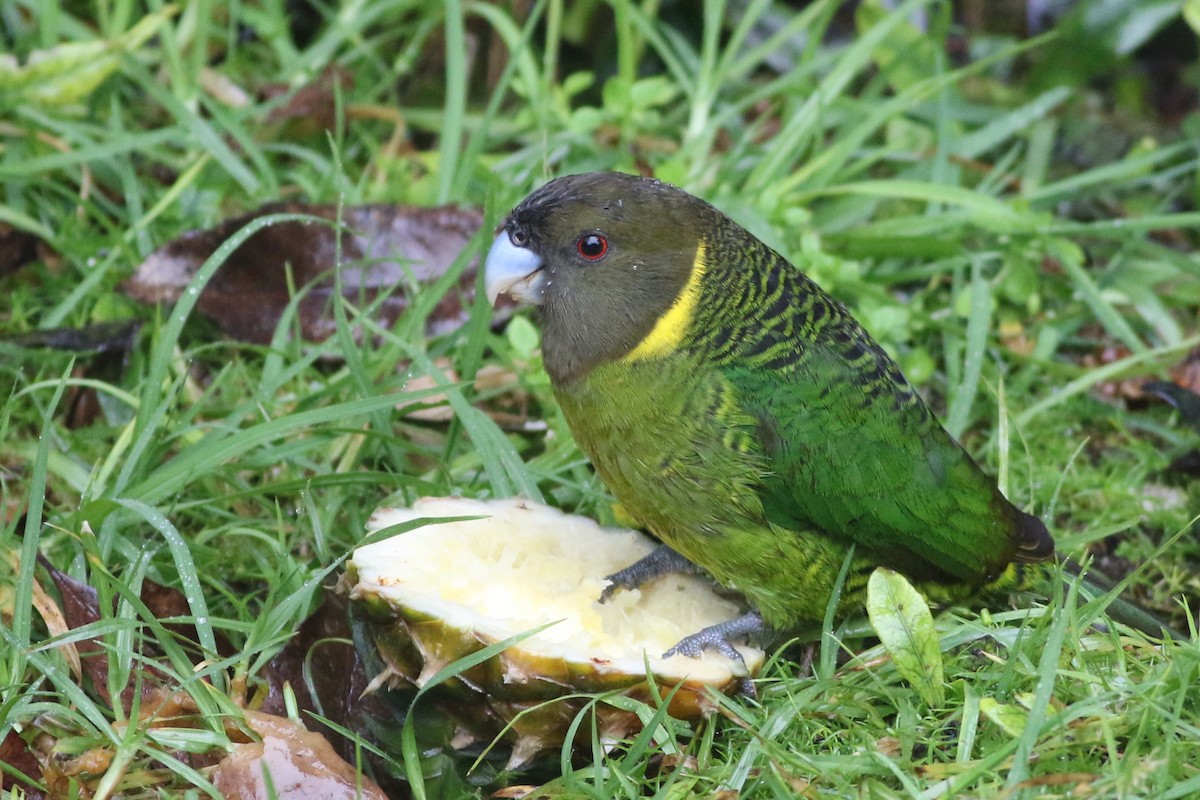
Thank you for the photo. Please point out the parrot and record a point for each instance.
(741, 414)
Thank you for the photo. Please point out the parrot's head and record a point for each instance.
(604, 256)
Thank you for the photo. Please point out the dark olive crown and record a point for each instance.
(595, 311)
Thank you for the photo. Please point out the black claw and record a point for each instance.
(694, 646)
(660, 561)
(614, 583)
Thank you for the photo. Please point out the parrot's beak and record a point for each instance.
(514, 271)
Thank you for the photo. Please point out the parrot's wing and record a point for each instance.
(854, 451)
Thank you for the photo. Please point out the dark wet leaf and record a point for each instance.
(324, 637)
(17, 248)
(80, 606)
(382, 248)
(1186, 464)
(1185, 401)
(322, 665)
(19, 768)
(335, 680)
(103, 337)
(107, 345)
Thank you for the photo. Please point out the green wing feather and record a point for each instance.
(852, 449)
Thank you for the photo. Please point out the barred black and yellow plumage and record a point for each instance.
(739, 412)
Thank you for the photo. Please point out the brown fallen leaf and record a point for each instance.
(889, 746)
(300, 764)
(79, 606)
(22, 769)
(314, 105)
(1082, 781)
(335, 689)
(1185, 374)
(436, 407)
(334, 685)
(52, 616)
(383, 247)
(514, 792)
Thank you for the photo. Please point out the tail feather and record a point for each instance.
(1034, 542)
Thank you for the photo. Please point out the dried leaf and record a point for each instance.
(1082, 781)
(1128, 389)
(889, 746)
(903, 623)
(53, 618)
(384, 246)
(223, 88)
(80, 606)
(335, 685)
(436, 407)
(299, 763)
(109, 345)
(313, 105)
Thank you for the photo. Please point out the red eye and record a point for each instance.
(592, 246)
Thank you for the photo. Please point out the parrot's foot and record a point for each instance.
(716, 637)
(660, 561)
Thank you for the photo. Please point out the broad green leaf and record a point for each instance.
(523, 337)
(903, 623)
(1010, 717)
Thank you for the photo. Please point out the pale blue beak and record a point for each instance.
(514, 271)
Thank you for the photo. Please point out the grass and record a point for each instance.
(940, 202)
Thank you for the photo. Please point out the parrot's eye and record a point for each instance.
(592, 246)
(518, 237)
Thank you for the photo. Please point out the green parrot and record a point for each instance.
(741, 414)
